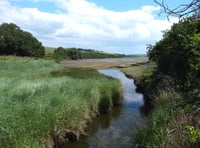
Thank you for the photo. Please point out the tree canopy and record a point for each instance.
(78, 53)
(177, 54)
(14, 41)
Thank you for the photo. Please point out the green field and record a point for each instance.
(49, 50)
(40, 98)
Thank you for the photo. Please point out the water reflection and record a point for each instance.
(116, 128)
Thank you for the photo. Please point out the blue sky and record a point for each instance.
(116, 5)
(117, 26)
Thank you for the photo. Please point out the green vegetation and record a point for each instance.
(14, 41)
(77, 53)
(136, 71)
(172, 89)
(40, 99)
(49, 50)
(60, 54)
(177, 54)
(49, 53)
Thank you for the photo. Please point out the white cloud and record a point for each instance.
(84, 24)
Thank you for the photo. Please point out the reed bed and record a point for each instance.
(38, 99)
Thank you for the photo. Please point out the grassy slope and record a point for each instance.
(39, 98)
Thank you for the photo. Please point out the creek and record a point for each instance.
(116, 129)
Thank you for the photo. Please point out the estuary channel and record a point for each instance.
(116, 129)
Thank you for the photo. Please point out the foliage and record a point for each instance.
(49, 53)
(14, 41)
(178, 53)
(194, 134)
(60, 53)
(172, 89)
(168, 124)
(79, 53)
(39, 98)
(91, 54)
(74, 53)
(154, 134)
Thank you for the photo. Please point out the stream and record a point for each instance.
(116, 129)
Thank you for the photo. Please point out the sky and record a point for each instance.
(114, 26)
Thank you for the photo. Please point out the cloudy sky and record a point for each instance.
(117, 26)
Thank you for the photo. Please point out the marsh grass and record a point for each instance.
(78, 73)
(155, 132)
(136, 71)
(168, 122)
(39, 98)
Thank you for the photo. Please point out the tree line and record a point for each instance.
(61, 53)
(14, 41)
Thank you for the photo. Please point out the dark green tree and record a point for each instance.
(60, 53)
(14, 41)
(74, 53)
(177, 54)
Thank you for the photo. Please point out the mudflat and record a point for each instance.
(104, 63)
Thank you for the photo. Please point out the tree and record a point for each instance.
(14, 41)
(192, 8)
(177, 54)
(60, 53)
(74, 53)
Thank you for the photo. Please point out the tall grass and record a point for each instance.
(168, 124)
(35, 103)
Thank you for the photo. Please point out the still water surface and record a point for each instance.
(116, 128)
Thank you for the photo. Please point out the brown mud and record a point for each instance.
(104, 63)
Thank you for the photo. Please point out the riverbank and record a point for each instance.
(46, 105)
(116, 128)
(173, 118)
(173, 88)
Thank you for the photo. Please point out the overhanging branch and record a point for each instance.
(182, 10)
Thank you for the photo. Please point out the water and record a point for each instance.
(116, 128)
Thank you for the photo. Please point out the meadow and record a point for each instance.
(40, 99)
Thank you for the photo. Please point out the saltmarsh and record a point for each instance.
(39, 98)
